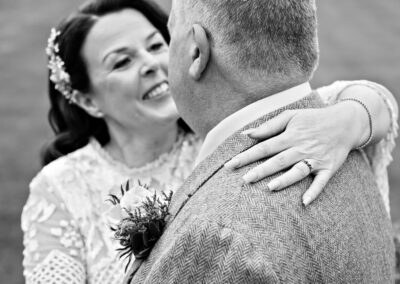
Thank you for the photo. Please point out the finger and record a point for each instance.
(273, 165)
(320, 181)
(259, 151)
(270, 128)
(295, 174)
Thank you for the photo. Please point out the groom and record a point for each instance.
(233, 61)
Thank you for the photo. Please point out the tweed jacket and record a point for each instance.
(222, 231)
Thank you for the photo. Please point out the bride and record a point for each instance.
(114, 119)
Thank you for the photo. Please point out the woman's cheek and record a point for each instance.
(164, 62)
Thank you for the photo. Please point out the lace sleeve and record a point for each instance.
(379, 154)
(53, 246)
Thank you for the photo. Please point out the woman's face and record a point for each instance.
(127, 61)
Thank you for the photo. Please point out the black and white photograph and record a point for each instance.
(199, 141)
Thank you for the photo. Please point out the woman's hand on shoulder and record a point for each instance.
(306, 141)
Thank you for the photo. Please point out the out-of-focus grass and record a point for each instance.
(359, 39)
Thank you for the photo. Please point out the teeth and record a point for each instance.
(160, 90)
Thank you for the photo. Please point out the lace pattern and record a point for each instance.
(58, 268)
(379, 154)
(66, 220)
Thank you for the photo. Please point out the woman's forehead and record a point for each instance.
(124, 29)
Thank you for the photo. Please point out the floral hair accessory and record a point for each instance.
(59, 75)
(144, 221)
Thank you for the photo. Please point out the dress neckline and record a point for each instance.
(150, 166)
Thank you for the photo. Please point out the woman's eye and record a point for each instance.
(121, 63)
(156, 46)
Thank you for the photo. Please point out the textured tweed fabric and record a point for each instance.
(221, 231)
(397, 246)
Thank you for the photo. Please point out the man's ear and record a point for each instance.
(88, 104)
(200, 52)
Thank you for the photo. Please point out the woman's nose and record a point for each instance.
(150, 65)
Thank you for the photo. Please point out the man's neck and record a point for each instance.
(229, 102)
(249, 113)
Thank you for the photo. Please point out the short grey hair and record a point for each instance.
(278, 37)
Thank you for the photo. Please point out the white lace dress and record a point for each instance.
(66, 220)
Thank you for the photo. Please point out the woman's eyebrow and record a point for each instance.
(118, 50)
(125, 49)
(152, 35)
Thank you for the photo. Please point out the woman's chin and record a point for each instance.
(168, 109)
(167, 116)
(171, 116)
(161, 111)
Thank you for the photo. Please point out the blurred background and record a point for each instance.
(360, 39)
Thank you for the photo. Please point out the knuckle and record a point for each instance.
(262, 169)
(281, 161)
(303, 169)
(291, 180)
(299, 166)
(255, 173)
(263, 149)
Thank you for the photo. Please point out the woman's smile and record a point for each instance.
(158, 92)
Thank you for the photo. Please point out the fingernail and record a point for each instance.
(250, 177)
(232, 164)
(248, 131)
(306, 200)
(274, 185)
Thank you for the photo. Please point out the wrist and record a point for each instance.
(343, 125)
(360, 122)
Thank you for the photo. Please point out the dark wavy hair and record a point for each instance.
(72, 126)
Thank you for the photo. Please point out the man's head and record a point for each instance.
(253, 47)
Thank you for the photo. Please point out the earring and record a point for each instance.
(99, 114)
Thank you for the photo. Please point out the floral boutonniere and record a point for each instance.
(144, 214)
